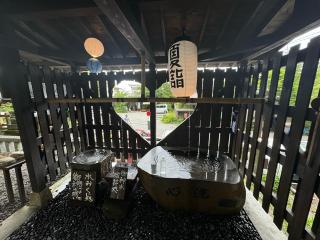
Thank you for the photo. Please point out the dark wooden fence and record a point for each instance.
(102, 126)
(269, 142)
(208, 129)
(53, 133)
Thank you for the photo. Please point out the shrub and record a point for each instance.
(171, 117)
(6, 107)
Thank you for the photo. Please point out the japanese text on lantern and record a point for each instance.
(176, 71)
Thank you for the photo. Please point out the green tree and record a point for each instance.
(164, 91)
(120, 107)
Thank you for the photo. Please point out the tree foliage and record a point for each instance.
(120, 107)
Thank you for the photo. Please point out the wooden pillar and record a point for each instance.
(152, 85)
(143, 75)
(13, 75)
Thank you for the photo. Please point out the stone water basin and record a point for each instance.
(211, 185)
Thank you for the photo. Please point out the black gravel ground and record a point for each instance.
(6, 208)
(61, 220)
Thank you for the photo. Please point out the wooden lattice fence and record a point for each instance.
(269, 147)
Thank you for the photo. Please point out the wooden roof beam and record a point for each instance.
(204, 25)
(55, 13)
(258, 20)
(110, 36)
(226, 23)
(36, 35)
(163, 32)
(299, 23)
(126, 23)
(144, 26)
(223, 54)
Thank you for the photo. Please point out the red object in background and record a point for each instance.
(148, 113)
(130, 158)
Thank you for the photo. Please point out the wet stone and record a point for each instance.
(145, 221)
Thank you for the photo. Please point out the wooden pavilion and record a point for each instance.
(60, 112)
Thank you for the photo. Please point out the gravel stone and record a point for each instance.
(145, 221)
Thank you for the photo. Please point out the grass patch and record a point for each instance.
(275, 184)
(6, 107)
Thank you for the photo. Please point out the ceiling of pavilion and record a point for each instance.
(222, 30)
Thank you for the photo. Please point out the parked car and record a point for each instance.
(161, 108)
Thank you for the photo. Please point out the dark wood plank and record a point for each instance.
(193, 123)
(216, 110)
(55, 118)
(227, 111)
(242, 115)
(153, 117)
(250, 113)
(76, 89)
(267, 119)
(8, 184)
(58, 79)
(95, 81)
(22, 192)
(133, 145)
(279, 126)
(297, 125)
(105, 111)
(239, 84)
(73, 116)
(205, 109)
(257, 122)
(85, 79)
(36, 77)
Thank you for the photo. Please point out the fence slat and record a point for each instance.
(267, 122)
(63, 112)
(216, 110)
(279, 127)
(73, 118)
(242, 116)
(36, 80)
(257, 121)
(227, 111)
(56, 122)
(250, 112)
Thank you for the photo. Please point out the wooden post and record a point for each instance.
(152, 84)
(12, 72)
(143, 75)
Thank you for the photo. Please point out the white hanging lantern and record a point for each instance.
(182, 68)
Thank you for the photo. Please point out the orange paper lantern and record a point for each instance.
(94, 47)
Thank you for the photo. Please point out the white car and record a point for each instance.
(161, 108)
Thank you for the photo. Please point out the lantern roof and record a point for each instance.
(53, 32)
